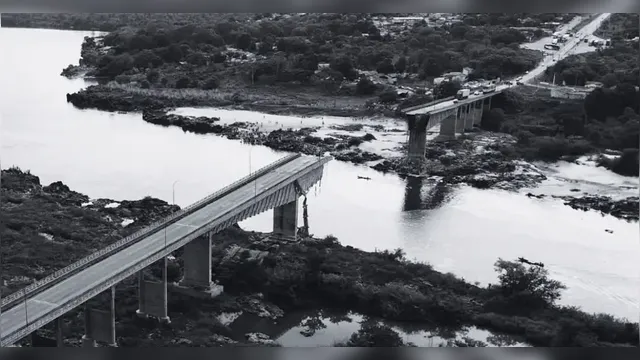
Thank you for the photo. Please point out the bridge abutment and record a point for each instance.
(152, 296)
(100, 325)
(285, 220)
(417, 135)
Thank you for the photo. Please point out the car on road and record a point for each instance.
(476, 92)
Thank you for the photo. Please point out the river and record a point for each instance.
(119, 156)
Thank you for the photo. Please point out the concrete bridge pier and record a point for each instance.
(486, 106)
(460, 119)
(152, 296)
(468, 117)
(448, 126)
(197, 263)
(417, 135)
(45, 341)
(477, 109)
(57, 326)
(285, 219)
(100, 325)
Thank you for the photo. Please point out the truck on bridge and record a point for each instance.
(463, 94)
(489, 88)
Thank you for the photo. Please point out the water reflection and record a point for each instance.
(421, 194)
(327, 328)
(413, 194)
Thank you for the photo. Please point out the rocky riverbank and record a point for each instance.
(271, 100)
(343, 148)
(48, 227)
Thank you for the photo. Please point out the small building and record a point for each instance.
(438, 80)
(565, 92)
(455, 76)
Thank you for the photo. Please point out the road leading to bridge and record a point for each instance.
(567, 50)
(38, 307)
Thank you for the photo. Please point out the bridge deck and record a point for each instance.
(448, 105)
(55, 297)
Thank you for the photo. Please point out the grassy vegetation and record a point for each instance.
(550, 129)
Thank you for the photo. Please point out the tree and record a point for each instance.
(211, 83)
(365, 87)
(153, 76)
(343, 65)
(146, 59)
(183, 83)
(401, 64)
(385, 67)
(527, 285)
(375, 335)
(493, 120)
(446, 89)
(244, 41)
(627, 164)
(388, 96)
(117, 66)
(196, 58)
(609, 80)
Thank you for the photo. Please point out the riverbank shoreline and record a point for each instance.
(309, 274)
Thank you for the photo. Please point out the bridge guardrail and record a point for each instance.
(8, 339)
(129, 240)
(435, 102)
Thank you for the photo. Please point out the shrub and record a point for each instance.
(388, 96)
(527, 285)
(211, 83)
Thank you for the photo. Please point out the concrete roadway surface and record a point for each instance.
(40, 304)
(565, 51)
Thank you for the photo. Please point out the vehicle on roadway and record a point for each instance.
(462, 94)
(488, 89)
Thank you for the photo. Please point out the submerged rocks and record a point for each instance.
(198, 125)
(466, 161)
(342, 147)
(626, 209)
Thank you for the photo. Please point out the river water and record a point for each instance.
(120, 156)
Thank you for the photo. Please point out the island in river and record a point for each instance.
(49, 227)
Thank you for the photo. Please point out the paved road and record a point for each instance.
(53, 298)
(566, 50)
